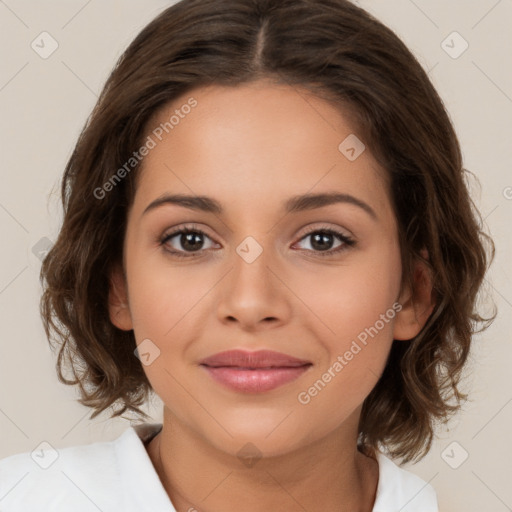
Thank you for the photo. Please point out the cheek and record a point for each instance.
(163, 296)
(355, 308)
(163, 304)
(168, 306)
(357, 352)
(349, 299)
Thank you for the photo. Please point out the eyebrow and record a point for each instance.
(292, 205)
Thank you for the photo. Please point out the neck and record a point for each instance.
(329, 474)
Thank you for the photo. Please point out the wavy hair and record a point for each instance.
(344, 55)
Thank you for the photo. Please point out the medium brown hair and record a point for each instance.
(343, 54)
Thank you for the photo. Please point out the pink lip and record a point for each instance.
(254, 372)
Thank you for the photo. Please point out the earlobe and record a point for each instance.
(119, 310)
(417, 304)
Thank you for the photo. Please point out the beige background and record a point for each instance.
(44, 104)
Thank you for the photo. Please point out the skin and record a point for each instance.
(251, 148)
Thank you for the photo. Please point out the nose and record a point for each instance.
(254, 293)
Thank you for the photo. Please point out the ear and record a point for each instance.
(417, 304)
(119, 310)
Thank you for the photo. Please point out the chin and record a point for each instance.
(269, 438)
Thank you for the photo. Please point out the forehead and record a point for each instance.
(256, 142)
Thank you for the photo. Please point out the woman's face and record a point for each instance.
(268, 273)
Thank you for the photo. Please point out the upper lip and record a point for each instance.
(258, 359)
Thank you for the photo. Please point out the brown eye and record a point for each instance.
(323, 240)
(185, 240)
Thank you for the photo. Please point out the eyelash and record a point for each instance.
(347, 241)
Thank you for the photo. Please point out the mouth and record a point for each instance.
(254, 372)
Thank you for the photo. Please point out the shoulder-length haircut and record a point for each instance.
(344, 55)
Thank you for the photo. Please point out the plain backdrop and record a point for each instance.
(44, 103)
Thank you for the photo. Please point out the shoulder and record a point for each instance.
(399, 489)
(79, 478)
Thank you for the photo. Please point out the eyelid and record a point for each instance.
(325, 227)
(347, 240)
(172, 232)
(195, 227)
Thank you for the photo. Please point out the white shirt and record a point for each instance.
(119, 476)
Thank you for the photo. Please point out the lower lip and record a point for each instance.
(255, 381)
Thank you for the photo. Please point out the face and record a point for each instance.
(315, 280)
